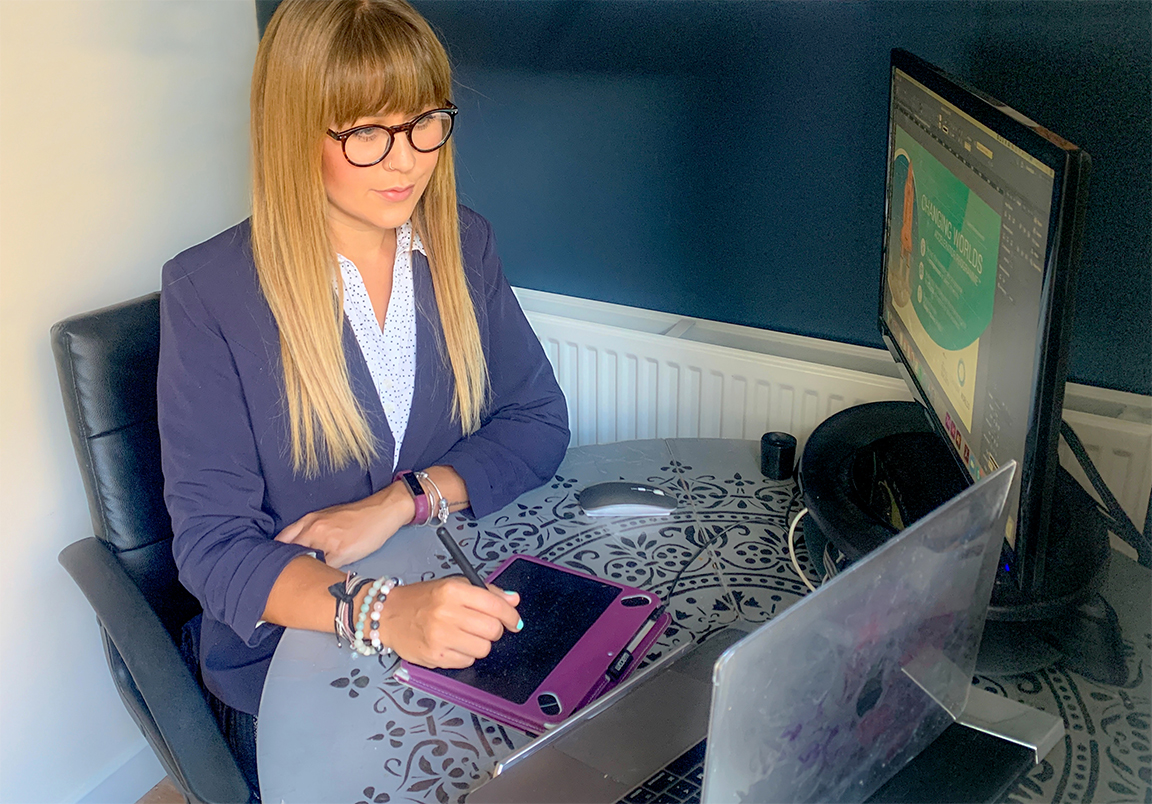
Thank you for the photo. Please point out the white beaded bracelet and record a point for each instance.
(370, 618)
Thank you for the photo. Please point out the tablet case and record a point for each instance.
(584, 621)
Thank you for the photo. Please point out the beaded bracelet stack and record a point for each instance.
(345, 594)
(368, 615)
(370, 618)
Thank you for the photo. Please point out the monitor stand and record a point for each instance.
(1084, 638)
(871, 470)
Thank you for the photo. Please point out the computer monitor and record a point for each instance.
(983, 221)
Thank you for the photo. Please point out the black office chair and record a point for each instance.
(107, 365)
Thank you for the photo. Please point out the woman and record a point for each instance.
(357, 328)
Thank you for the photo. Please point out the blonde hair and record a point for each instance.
(321, 64)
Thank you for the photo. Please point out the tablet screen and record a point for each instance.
(557, 608)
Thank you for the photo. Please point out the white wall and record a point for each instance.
(123, 139)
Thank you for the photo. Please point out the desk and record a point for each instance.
(336, 728)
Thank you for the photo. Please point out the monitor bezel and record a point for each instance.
(1024, 566)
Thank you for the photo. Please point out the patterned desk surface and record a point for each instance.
(335, 728)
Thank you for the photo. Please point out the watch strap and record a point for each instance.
(441, 512)
(419, 496)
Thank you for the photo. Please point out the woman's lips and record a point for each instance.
(397, 193)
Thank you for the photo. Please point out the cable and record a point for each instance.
(696, 555)
(792, 549)
(795, 495)
(687, 564)
(1122, 525)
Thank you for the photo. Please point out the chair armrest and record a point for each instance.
(173, 696)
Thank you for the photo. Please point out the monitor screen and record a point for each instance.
(971, 304)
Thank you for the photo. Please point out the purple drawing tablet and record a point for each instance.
(576, 627)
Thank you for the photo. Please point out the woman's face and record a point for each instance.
(380, 197)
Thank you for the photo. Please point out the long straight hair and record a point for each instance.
(324, 64)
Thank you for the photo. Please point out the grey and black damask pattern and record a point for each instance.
(1106, 754)
(725, 550)
(727, 570)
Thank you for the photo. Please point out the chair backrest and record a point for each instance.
(107, 363)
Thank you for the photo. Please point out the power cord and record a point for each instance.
(696, 555)
(792, 549)
(1114, 515)
(795, 495)
(796, 492)
(687, 564)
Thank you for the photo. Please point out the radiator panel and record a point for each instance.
(624, 384)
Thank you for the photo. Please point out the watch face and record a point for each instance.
(413, 484)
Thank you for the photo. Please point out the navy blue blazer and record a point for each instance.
(228, 479)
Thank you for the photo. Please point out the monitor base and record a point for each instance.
(871, 470)
(1084, 639)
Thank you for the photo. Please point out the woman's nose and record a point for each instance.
(401, 156)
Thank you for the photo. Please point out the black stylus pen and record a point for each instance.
(458, 556)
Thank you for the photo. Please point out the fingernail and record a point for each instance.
(520, 624)
(509, 592)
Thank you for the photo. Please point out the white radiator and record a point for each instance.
(629, 373)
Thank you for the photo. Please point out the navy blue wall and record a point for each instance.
(727, 160)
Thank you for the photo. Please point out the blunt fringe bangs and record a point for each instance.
(384, 61)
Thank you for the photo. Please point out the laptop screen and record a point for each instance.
(838, 693)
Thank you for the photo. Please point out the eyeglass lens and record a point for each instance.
(368, 145)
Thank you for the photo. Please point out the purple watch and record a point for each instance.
(419, 496)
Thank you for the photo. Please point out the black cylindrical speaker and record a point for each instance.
(777, 455)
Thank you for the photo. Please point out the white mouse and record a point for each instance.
(623, 498)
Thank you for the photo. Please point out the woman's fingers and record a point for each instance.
(451, 660)
(345, 533)
(348, 532)
(501, 605)
(293, 531)
(483, 626)
(446, 622)
(512, 597)
(482, 612)
(496, 610)
(463, 652)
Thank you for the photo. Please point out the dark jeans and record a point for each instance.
(239, 729)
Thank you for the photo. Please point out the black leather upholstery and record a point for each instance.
(107, 365)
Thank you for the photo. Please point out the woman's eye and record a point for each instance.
(368, 134)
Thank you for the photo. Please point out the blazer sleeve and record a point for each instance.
(524, 432)
(213, 487)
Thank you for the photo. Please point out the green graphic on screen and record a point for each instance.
(944, 244)
(959, 240)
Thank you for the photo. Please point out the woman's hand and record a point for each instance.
(347, 533)
(448, 622)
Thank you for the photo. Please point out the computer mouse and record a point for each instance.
(624, 498)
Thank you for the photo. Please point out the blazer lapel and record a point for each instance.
(432, 396)
(380, 470)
